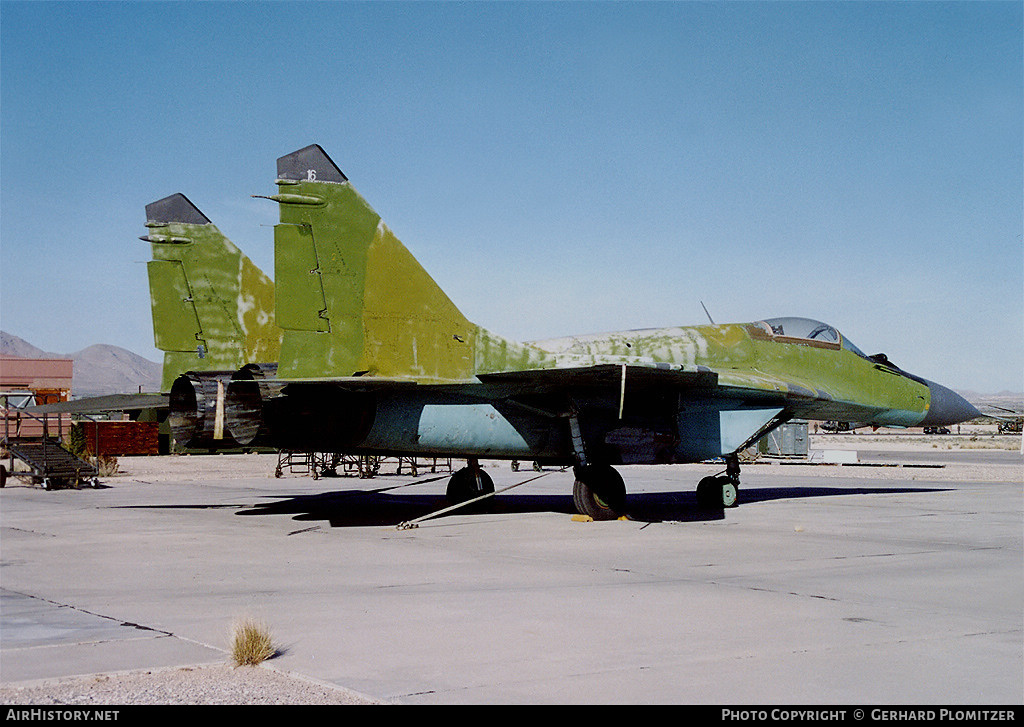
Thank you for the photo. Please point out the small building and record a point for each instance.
(32, 381)
(28, 382)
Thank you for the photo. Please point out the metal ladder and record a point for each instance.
(47, 460)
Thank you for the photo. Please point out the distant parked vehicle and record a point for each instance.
(1013, 426)
(936, 430)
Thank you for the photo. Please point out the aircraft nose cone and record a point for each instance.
(947, 407)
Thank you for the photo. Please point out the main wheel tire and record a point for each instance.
(468, 483)
(599, 492)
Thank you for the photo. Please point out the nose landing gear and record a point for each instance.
(721, 490)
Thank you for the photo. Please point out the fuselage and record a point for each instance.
(766, 372)
(820, 377)
(716, 389)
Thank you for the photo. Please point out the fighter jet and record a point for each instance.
(376, 359)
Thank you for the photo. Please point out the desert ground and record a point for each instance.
(974, 454)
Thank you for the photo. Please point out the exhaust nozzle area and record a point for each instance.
(196, 413)
(264, 411)
(249, 401)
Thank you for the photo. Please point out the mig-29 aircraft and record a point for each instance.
(376, 359)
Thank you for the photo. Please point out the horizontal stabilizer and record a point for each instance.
(100, 404)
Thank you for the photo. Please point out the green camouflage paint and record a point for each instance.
(213, 309)
(354, 302)
(834, 383)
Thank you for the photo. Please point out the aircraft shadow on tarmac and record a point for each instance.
(356, 508)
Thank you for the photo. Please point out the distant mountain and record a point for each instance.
(14, 346)
(104, 369)
(1005, 403)
(99, 369)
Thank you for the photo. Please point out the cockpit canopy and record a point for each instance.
(811, 330)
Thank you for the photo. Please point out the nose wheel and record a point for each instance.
(721, 491)
(718, 491)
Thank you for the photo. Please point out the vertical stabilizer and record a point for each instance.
(353, 301)
(213, 309)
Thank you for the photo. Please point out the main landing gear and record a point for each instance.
(721, 490)
(469, 482)
(599, 492)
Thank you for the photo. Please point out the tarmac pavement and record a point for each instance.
(828, 585)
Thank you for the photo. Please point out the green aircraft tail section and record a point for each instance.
(213, 309)
(353, 301)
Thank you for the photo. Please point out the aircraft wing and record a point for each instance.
(608, 374)
(698, 381)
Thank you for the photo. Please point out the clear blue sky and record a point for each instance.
(557, 167)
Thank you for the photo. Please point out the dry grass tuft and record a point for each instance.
(106, 465)
(251, 643)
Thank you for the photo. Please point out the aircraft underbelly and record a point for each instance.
(708, 431)
(471, 428)
(475, 429)
(485, 429)
(856, 412)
